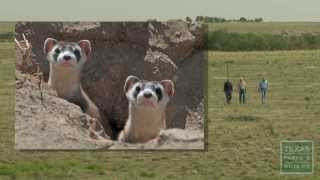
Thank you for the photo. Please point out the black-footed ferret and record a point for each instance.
(66, 61)
(147, 106)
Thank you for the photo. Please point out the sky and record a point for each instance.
(140, 10)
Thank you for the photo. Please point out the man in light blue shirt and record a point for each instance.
(263, 88)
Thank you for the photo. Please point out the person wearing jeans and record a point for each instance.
(242, 91)
(263, 88)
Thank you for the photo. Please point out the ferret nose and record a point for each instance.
(66, 57)
(147, 95)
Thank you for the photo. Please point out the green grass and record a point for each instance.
(239, 147)
(7, 27)
(245, 118)
(268, 27)
(246, 137)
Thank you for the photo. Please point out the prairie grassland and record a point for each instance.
(243, 140)
(6, 27)
(246, 138)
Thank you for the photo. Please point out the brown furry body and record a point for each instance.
(66, 61)
(66, 82)
(143, 125)
(147, 106)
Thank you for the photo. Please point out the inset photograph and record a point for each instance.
(110, 85)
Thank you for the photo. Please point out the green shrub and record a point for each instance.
(221, 40)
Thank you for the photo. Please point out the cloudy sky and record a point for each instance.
(119, 10)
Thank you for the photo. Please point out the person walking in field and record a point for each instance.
(228, 91)
(242, 88)
(263, 88)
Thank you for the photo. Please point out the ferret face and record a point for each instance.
(148, 94)
(67, 54)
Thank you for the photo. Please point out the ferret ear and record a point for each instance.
(48, 44)
(130, 81)
(85, 45)
(168, 87)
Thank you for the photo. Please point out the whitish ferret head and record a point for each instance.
(148, 94)
(67, 54)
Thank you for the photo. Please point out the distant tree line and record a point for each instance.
(222, 40)
(6, 36)
(207, 19)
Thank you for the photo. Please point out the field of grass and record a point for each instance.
(6, 27)
(268, 27)
(243, 140)
(247, 137)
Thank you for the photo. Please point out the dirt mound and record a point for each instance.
(170, 139)
(44, 121)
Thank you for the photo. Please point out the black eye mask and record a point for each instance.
(77, 54)
(56, 54)
(158, 93)
(136, 91)
(153, 87)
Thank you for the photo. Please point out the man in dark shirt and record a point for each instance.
(228, 90)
